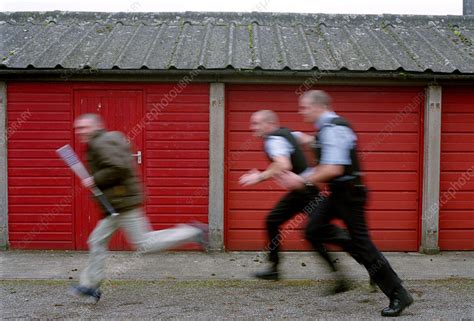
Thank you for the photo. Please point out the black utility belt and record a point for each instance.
(354, 182)
(348, 190)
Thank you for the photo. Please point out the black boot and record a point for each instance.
(342, 284)
(399, 301)
(269, 274)
(372, 285)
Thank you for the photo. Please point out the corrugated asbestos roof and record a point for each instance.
(243, 41)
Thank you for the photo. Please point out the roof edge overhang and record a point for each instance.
(232, 75)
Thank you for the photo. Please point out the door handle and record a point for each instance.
(138, 155)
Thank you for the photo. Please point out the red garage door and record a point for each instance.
(457, 170)
(46, 209)
(387, 120)
(40, 187)
(122, 110)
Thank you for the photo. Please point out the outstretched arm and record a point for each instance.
(279, 165)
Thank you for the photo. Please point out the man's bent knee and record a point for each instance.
(272, 223)
(313, 234)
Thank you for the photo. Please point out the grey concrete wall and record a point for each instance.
(3, 168)
(216, 165)
(468, 7)
(431, 175)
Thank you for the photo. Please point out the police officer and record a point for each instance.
(339, 167)
(282, 149)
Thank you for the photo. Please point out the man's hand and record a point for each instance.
(88, 182)
(252, 177)
(290, 180)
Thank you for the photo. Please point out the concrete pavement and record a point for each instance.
(198, 286)
(64, 265)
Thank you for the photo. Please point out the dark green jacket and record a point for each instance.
(111, 165)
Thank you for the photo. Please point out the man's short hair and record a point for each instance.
(97, 119)
(268, 116)
(318, 97)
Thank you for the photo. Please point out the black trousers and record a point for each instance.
(347, 203)
(294, 202)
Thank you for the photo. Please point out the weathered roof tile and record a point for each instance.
(266, 41)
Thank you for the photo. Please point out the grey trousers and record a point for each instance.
(138, 231)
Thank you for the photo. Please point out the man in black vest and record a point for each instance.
(282, 147)
(339, 167)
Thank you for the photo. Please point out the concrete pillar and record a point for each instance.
(216, 165)
(3, 168)
(431, 175)
(468, 7)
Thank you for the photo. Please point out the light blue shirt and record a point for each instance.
(280, 146)
(336, 141)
